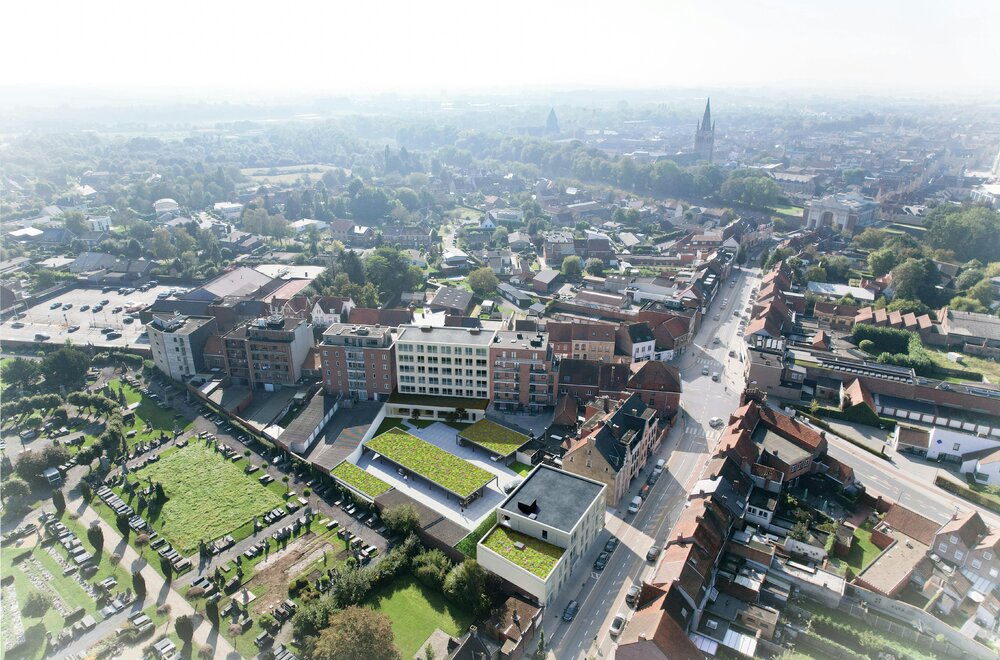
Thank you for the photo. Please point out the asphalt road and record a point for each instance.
(687, 448)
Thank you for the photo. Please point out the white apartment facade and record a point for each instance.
(177, 343)
(443, 361)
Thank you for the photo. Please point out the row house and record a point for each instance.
(359, 361)
(328, 310)
(615, 443)
(583, 341)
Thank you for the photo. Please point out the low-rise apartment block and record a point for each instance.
(177, 343)
(524, 371)
(543, 529)
(267, 352)
(444, 361)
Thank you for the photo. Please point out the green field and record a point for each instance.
(789, 210)
(862, 553)
(207, 496)
(416, 612)
(287, 174)
(989, 369)
(357, 478)
(446, 470)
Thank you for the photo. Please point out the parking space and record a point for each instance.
(72, 316)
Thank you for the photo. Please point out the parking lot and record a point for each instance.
(43, 318)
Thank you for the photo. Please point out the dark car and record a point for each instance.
(113, 335)
(653, 553)
(611, 544)
(652, 478)
(633, 594)
(105, 331)
(601, 561)
(72, 328)
(570, 612)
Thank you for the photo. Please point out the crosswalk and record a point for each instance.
(704, 360)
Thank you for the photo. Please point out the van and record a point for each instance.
(715, 376)
(658, 468)
(634, 506)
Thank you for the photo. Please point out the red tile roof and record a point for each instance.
(911, 523)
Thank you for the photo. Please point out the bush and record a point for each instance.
(884, 340)
(37, 604)
(141, 540)
(163, 609)
(206, 652)
(431, 567)
(401, 519)
(867, 345)
(196, 592)
(466, 585)
(967, 493)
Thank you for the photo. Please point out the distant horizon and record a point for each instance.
(454, 49)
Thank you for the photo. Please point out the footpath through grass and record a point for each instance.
(416, 612)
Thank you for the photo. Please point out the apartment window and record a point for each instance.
(987, 555)
(956, 447)
(942, 547)
(958, 555)
(545, 534)
(952, 539)
(976, 564)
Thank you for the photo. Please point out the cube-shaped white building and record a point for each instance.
(543, 528)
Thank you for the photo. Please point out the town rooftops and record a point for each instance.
(911, 523)
(554, 498)
(452, 298)
(237, 282)
(656, 376)
(547, 276)
(970, 324)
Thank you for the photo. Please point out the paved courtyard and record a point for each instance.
(443, 436)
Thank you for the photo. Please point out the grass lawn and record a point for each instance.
(989, 369)
(67, 588)
(388, 424)
(429, 461)
(208, 496)
(416, 612)
(360, 480)
(863, 551)
(537, 557)
(493, 437)
(148, 414)
(520, 468)
(789, 210)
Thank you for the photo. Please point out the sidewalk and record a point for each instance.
(158, 591)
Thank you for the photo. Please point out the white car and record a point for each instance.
(704, 371)
(715, 422)
(617, 624)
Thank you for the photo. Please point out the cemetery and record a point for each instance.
(205, 495)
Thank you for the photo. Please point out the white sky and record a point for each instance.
(443, 46)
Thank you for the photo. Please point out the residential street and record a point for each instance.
(602, 595)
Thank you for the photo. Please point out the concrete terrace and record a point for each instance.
(443, 437)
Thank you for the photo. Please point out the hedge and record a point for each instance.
(859, 413)
(826, 427)
(467, 546)
(967, 493)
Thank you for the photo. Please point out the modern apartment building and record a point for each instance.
(524, 371)
(359, 361)
(177, 343)
(444, 361)
(543, 529)
(267, 352)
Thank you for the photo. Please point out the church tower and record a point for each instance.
(552, 125)
(704, 137)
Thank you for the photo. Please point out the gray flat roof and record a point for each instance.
(560, 499)
(773, 443)
(444, 335)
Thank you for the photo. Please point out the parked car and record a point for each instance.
(658, 468)
(617, 624)
(611, 544)
(633, 594)
(601, 561)
(68, 306)
(653, 553)
(72, 328)
(55, 305)
(16, 325)
(84, 308)
(114, 335)
(570, 612)
(715, 422)
(704, 371)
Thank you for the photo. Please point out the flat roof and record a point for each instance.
(494, 437)
(438, 401)
(307, 420)
(773, 443)
(557, 498)
(445, 335)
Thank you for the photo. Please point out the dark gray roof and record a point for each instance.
(452, 298)
(558, 499)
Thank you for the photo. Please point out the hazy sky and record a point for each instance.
(447, 47)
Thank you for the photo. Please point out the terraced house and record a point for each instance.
(523, 369)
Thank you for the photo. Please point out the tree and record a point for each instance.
(401, 519)
(837, 267)
(284, 480)
(572, 266)
(870, 239)
(184, 627)
(431, 567)
(816, 273)
(59, 500)
(867, 345)
(595, 267)
(357, 632)
(882, 261)
(138, 584)
(16, 489)
(37, 604)
(971, 232)
(466, 585)
(915, 279)
(482, 281)
(540, 648)
(983, 292)
(966, 304)
(95, 534)
(907, 306)
(313, 616)
(20, 372)
(66, 366)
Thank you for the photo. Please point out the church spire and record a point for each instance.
(706, 121)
